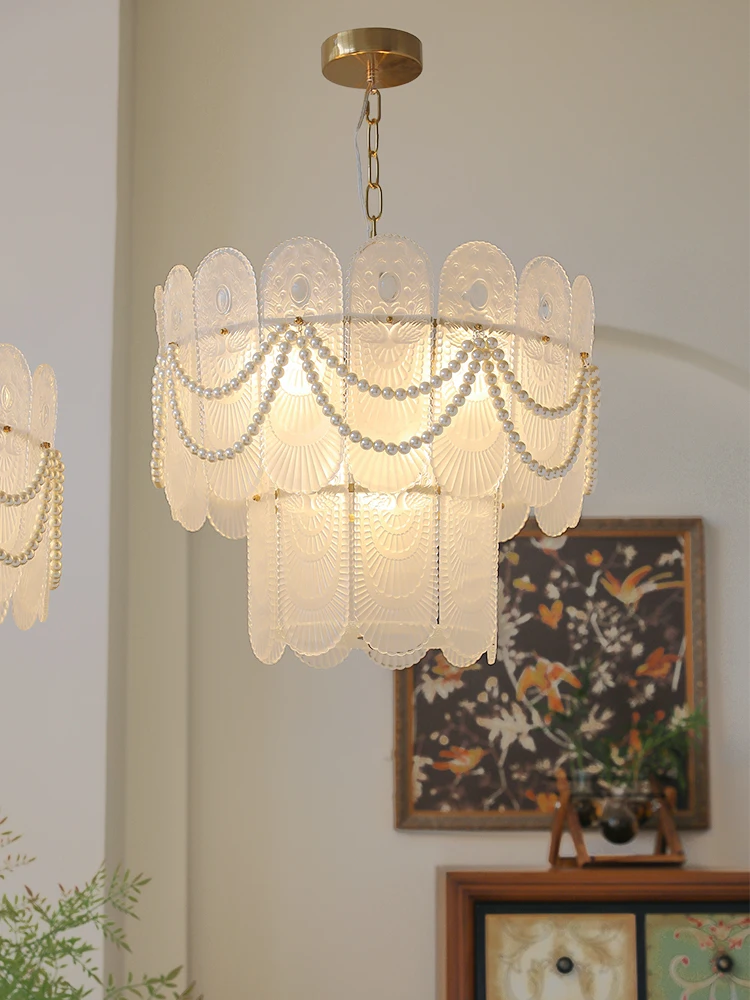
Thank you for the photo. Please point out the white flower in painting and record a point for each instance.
(669, 558)
(418, 777)
(628, 554)
(576, 613)
(552, 592)
(649, 691)
(679, 715)
(509, 726)
(468, 705)
(549, 545)
(491, 684)
(636, 650)
(603, 679)
(596, 724)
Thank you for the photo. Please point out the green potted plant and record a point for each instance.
(43, 943)
(611, 778)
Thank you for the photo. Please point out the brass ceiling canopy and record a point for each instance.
(384, 57)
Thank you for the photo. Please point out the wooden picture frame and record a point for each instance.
(415, 779)
(464, 890)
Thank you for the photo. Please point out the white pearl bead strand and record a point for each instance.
(477, 355)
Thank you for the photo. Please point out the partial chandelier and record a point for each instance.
(31, 489)
(372, 437)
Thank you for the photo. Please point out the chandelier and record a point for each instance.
(31, 489)
(375, 435)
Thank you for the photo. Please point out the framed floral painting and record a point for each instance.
(614, 611)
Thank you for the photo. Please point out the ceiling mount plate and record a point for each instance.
(385, 56)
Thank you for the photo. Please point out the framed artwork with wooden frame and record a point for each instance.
(615, 608)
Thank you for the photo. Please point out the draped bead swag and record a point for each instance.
(31, 490)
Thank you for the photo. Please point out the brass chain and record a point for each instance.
(374, 191)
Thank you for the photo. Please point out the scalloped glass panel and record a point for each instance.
(331, 658)
(513, 512)
(389, 279)
(544, 310)
(302, 449)
(262, 577)
(31, 599)
(184, 477)
(478, 286)
(468, 577)
(226, 316)
(564, 510)
(314, 546)
(400, 661)
(15, 457)
(228, 517)
(395, 568)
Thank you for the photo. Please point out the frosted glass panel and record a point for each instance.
(314, 562)
(468, 577)
(541, 366)
(395, 569)
(226, 314)
(15, 412)
(262, 576)
(184, 477)
(228, 517)
(303, 450)
(390, 279)
(564, 510)
(31, 600)
(477, 285)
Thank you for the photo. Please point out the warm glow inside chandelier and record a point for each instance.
(31, 489)
(373, 440)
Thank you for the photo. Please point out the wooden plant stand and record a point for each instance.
(668, 848)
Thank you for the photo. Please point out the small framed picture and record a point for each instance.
(615, 608)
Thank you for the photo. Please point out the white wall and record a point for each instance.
(613, 137)
(58, 116)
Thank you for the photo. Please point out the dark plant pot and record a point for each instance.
(619, 822)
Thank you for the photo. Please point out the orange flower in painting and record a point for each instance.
(546, 802)
(523, 583)
(547, 677)
(635, 585)
(551, 616)
(594, 558)
(447, 671)
(658, 664)
(460, 761)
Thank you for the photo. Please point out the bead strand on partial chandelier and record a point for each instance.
(27, 494)
(592, 460)
(480, 361)
(158, 416)
(49, 517)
